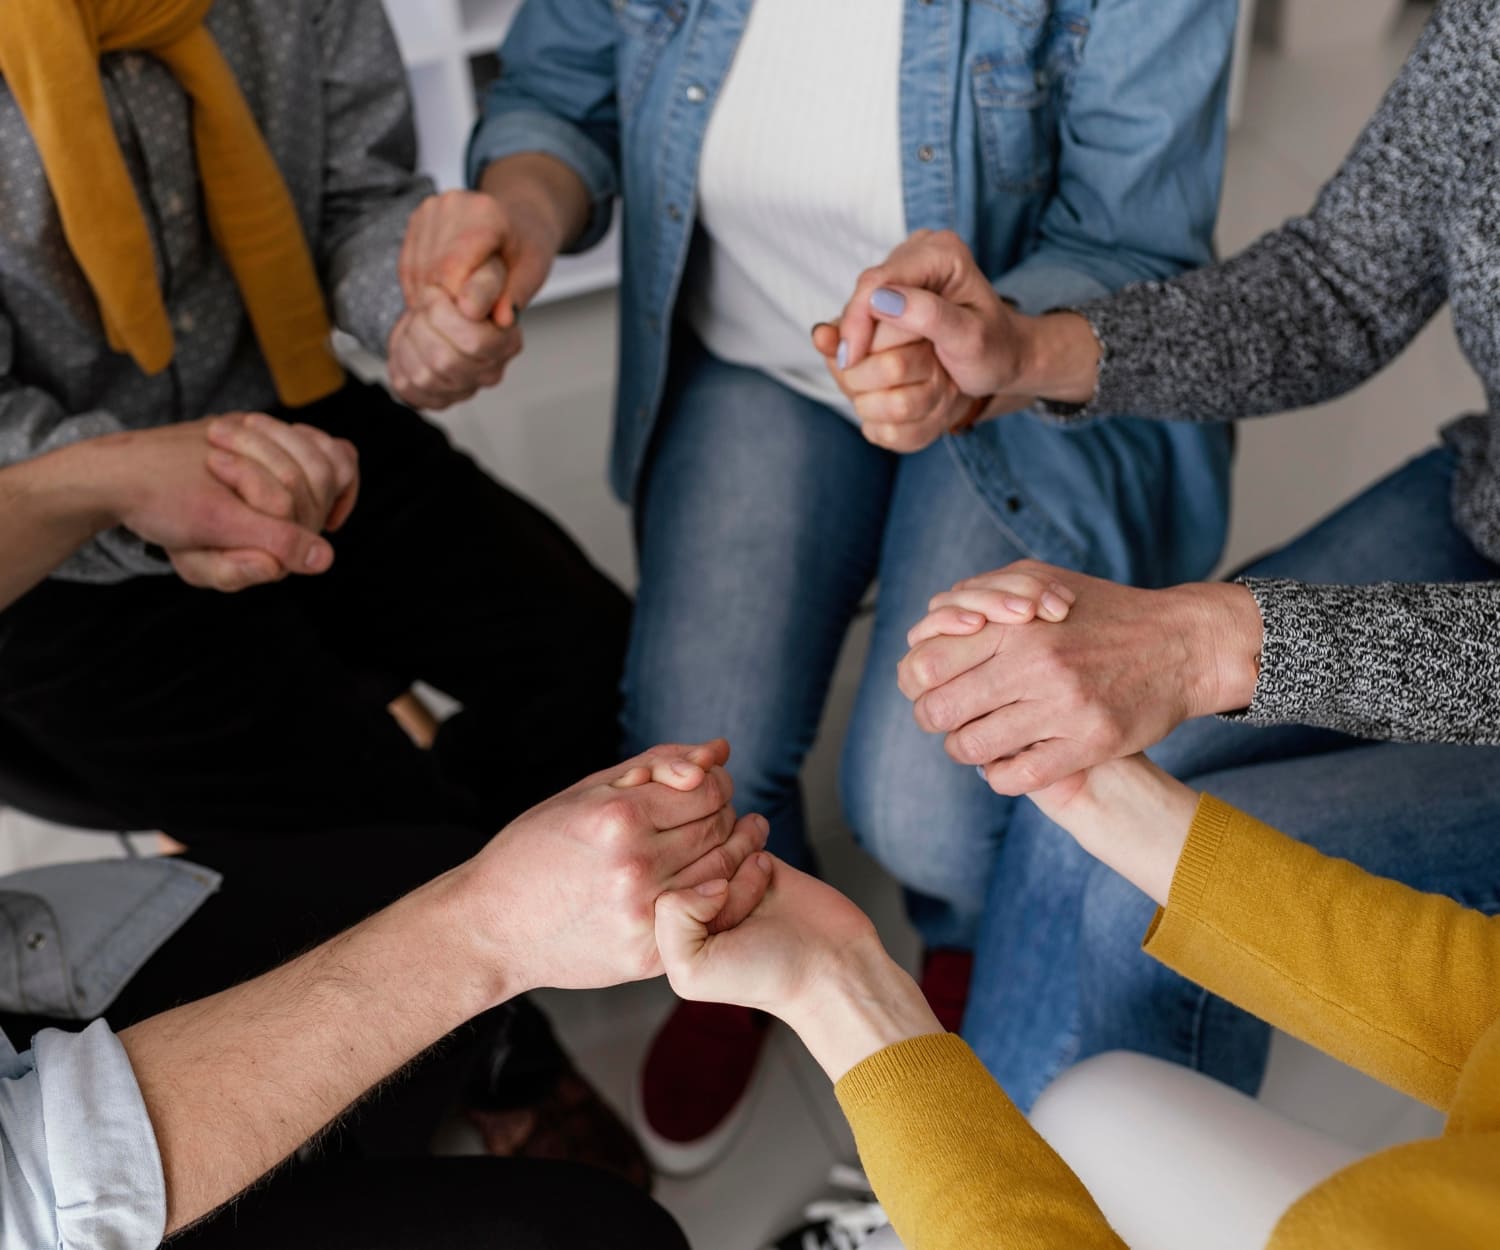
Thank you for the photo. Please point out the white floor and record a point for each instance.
(546, 431)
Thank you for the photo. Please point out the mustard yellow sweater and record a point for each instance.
(1402, 985)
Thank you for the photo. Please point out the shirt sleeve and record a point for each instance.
(1322, 304)
(81, 1166)
(1399, 984)
(32, 423)
(556, 94)
(954, 1163)
(370, 187)
(1142, 154)
(1393, 662)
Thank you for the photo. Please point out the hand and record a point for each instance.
(1128, 814)
(931, 287)
(904, 398)
(570, 887)
(439, 355)
(453, 235)
(1034, 706)
(298, 472)
(225, 519)
(806, 955)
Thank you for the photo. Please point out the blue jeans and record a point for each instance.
(1060, 974)
(764, 520)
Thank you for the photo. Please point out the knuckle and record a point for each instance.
(968, 746)
(617, 821)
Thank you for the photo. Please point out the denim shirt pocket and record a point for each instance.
(1019, 94)
(645, 28)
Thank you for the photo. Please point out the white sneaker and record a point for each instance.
(846, 1220)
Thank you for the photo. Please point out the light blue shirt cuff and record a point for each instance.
(82, 1170)
(511, 132)
(1041, 283)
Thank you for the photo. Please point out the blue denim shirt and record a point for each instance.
(1077, 145)
(79, 1164)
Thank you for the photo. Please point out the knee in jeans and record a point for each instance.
(899, 821)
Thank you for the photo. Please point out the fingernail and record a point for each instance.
(1062, 592)
(889, 302)
(1055, 604)
(318, 555)
(1021, 607)
(843, 356)
(763, 862)
(681, 768)
(763, 823)
(970, 618)
(711, 888)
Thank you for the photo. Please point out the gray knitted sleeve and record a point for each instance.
(1413, 663)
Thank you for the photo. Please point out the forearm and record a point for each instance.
(1395, 982)
(544, 188)
(236, 1082)
(50, 511)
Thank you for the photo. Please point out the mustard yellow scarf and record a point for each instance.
(49, 56)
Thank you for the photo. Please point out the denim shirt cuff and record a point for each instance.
(101, 1151)
(510, 133)
(1042, 285)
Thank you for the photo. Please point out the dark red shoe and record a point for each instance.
(694, 1093)
(945, 984)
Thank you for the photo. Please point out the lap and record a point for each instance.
(759, 530)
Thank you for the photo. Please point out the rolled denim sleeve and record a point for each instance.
(1141, 165)
(81, 1166)
(556, 94)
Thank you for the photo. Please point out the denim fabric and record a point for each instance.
(1060, 973)
(763, 521)
(1077, 145)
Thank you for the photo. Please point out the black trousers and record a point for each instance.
(262, 714)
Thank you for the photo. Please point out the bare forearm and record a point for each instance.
(49, 512)
(236, 1082)
(867, 1005)
(543, 186)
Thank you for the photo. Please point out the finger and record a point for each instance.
(675, 851)
(528, 273)
(482, 291)
(946, 623)
(939, 661)
(904, 440)
(1022, 599)
(343, 507)
(888, 370)
(745, 838)
(1039, 767)
(437, 369)
(682, 920)
(323, 476)
(1000, 734)
(917, 263)
(227, 572)
(924, 403)
(825, 337)
(997, 578)
(478, 342)
(296, 548)
(253, 483)
(252, 440)
(747, 891)
(670, 811)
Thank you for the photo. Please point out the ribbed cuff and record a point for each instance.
(894, 1068)
(1195, 869)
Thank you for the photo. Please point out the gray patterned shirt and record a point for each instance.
(1410, 222)
(325, 80)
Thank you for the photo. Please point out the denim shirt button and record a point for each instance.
(35, 941)
(696, 94)
(674, 212)
(927, 154)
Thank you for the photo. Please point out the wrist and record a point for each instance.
(463, 925)
(861, 1004)
(78, 489)
(1227, 636)
(539, 189)
(1135, 818)
(1059, 358)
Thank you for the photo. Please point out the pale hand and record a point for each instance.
(570, 887)
(806, 955)
(440, 356)
(1033, 706)
(226, 520)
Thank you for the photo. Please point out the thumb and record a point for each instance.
(483, 290)
(949, 327)
(298, 550)
(682, 920)
(528, 271)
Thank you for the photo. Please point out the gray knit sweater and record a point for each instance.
(1312, 310)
